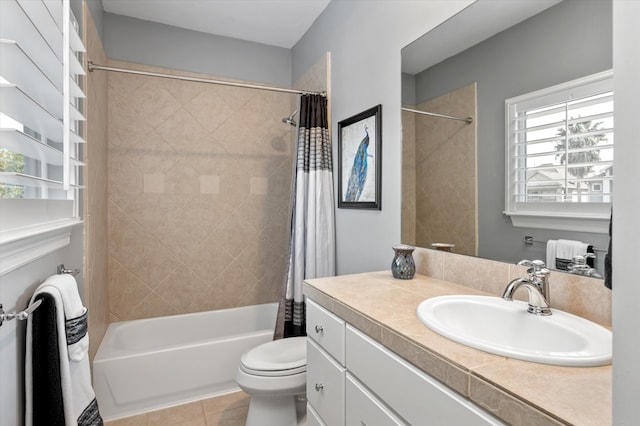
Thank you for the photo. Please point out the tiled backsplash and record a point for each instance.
(579, 295)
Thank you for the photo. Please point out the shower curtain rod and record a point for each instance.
(93, 67)
(467, 120)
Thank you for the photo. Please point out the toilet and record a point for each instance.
(273, 374)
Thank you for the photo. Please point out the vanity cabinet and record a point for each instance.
(325, 356)
(354, 380)
(408, 391)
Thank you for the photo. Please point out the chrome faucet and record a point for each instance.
(579, 266)
(537, 285)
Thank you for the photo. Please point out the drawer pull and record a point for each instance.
(319, 329)
(319, 387)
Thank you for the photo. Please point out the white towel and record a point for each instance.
(551, 253)
(72, 376)
(560, 252)
(566, 249)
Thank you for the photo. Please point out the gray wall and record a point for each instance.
(408, 89)
(365, 39)
(97, 13)
(560, 44)
(150, 43)
(16, 289)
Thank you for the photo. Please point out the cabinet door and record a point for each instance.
(325, 385)
(417, 397)
(326, 329)
(313, 419)
(364, 409)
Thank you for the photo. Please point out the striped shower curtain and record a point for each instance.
(312, 239)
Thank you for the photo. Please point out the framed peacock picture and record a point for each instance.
(360, 160)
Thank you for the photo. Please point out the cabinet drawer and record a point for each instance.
(365, 409)
(408, 391)
(313, 419)
(326, 329)
(325, 385)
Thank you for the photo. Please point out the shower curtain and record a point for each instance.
(312, 238)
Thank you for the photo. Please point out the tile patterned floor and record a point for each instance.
(226, 410)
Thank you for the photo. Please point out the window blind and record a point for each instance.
(40, 103)
(560, 144)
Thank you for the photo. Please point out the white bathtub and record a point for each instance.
(148, 364)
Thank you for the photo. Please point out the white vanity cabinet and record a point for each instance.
(325, 367)
(353, 380)
(415, 396)
(364, 408)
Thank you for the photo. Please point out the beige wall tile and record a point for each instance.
(209, 184)
(582, 296)
(199, 185)
(481, 274)
(96, 291)
(445, 172)
(429, 262)
(153, 182)
(259, 185)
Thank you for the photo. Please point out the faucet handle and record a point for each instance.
(534, 265)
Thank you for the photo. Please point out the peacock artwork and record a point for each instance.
(358, 176)
(359, 160)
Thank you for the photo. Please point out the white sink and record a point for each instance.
(506, 328)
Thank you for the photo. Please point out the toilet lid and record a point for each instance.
(277, 358)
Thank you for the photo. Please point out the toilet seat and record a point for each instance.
(283, 357)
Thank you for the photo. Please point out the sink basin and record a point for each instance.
(506, 328)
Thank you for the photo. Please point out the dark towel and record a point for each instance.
(58, 388)
(608, 272)
(48, 408)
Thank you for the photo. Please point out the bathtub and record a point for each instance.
(149, 364)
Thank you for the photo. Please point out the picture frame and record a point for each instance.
(360, 160)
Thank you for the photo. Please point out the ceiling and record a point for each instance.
(274, 22)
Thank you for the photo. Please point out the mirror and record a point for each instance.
(454, 172)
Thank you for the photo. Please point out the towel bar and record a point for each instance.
(528, 240)
(23, 315)
(62, 270)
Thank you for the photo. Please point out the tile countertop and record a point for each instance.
(518, 392)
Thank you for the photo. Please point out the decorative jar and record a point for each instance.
(403, 267)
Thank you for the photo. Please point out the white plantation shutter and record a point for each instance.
(560, 144)
(40, 116)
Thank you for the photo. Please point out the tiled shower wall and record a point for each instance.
(408, 218)
(199, 189)
(95, 196)
(444, 175)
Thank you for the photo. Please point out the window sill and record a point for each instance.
(24, 245)
(597, 224)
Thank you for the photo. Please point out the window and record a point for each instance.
(40, 119)
(560, 144)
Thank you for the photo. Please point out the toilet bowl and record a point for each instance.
(273, 374)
